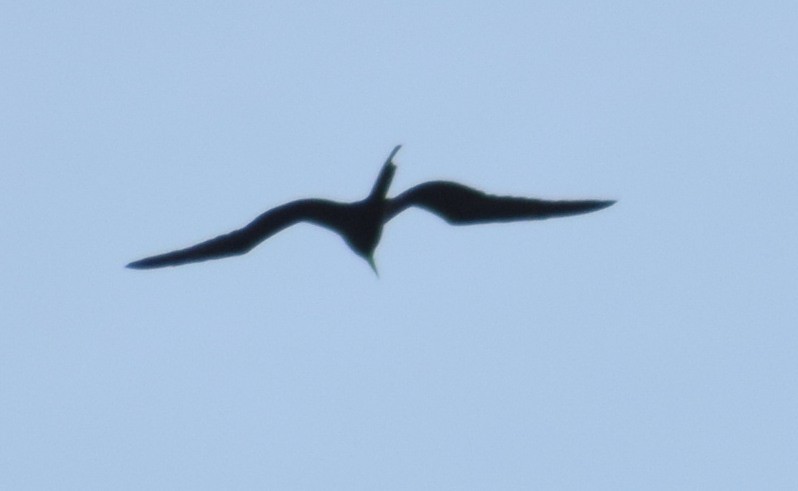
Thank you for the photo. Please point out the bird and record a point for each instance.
(360, 223)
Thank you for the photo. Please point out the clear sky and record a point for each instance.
(651, 345)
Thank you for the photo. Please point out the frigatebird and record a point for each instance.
(360, 223)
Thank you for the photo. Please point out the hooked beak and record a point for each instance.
(370, 260)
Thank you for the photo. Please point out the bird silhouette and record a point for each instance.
(360, 223)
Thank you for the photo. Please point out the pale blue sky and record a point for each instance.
(651, 345)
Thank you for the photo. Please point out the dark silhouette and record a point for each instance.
(360, 223)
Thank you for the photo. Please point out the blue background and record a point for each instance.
(651, 345)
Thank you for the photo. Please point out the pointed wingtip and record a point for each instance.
(596, 205)
(578, 207)
(146, 263)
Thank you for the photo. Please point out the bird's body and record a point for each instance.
(360, 223)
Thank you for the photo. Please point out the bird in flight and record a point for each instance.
(360, 223)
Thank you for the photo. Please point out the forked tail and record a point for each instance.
(380, 189)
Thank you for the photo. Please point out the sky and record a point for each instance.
(651, 345)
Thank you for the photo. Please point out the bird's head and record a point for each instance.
(364, 246)
(370, 260)
(363, 236)
(366, 252)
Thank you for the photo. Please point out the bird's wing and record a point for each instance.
(240, 241)
(461, 205)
